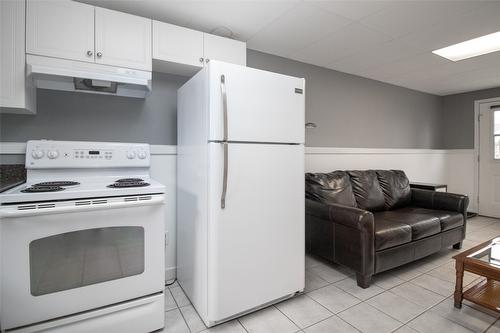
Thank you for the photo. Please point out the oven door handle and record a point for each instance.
(13, 213)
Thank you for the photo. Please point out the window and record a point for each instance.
(81, 258)
(496, 133)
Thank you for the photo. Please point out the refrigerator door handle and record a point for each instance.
(224, 104)
(224, 179)
(224, 141)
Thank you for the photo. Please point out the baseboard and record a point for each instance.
(170, 274)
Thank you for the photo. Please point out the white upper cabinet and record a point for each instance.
(75, 31)
(61, 29)
(184, 51)
(224, 49)
(17, 94)
(177, 45)
(122, 39)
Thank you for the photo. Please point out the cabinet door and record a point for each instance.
(16, 94)
(122, 40)
(177, 44)
(224, 49)
(62, 29)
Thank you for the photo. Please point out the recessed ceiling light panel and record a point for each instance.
(471, 48)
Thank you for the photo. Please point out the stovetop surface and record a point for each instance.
(84, 189)
(69, 170)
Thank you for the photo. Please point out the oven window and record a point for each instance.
(81, 258)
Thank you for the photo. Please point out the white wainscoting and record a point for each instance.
(452, 167)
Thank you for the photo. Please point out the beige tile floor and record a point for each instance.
(414, 298)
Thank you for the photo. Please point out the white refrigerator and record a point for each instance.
(240, 189)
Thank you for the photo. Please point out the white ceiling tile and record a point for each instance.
(424, 62)
(443, 81)
(484, 19)
(491, 60)
(340, 43)
(468, 81)
(375, 56)
(297, 28)
(354, 10)
(243, 18)
(452, 69)
(403, 17)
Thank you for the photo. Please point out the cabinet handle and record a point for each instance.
(201, 60)
(207, 60)
(90, 53)
(99, 54)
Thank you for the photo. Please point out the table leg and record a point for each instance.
(458, 295)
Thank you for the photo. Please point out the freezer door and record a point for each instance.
(256, 243)
(261, 106)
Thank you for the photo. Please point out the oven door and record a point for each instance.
(61, 258)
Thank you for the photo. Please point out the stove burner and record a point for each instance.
(129, 180)
(39, 189)
(128, 184)
(58, 183)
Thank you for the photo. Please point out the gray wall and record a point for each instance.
(90, 117)
(458, 116)
(356, 112)
(350, 112)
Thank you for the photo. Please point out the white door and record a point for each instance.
(122, 39)
(61, 29)
(256, 243)
(261, 106)
(489, 159)
(177, 44)
(224, 49)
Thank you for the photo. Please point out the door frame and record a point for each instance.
(477, 105)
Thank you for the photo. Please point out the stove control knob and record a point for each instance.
(131, 155)
(53, 154)
(37, 154)
(142, 155)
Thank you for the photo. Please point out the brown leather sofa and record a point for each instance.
(372, 221)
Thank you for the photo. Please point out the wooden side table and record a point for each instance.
(484, 260)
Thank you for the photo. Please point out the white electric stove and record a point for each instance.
(82, 241)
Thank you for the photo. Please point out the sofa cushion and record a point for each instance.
(333, 187)
(448, 219)
(367, 191)
(396, 188)
(389, 233)
(422, 225)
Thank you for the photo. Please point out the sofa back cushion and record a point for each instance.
(396, 188)
(333, 187)
(367, 191)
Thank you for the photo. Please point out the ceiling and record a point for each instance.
(389, 41)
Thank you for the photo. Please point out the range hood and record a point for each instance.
(68, 75)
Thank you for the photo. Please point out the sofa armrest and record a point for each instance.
(342, 234)
(440, 200)
(352, 217)
(317, 209)
(348, 216)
